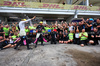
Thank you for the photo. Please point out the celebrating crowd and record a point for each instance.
(85, 32)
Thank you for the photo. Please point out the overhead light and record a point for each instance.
(13, 17)
(60, 18)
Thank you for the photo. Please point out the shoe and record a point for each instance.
(17, 49)
(54, 43)
(97, 44)
(1, 48)
(42, 44)
(35, 46)
(29, 48)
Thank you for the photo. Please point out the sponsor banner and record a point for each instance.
(24, 4)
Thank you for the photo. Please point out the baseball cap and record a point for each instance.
(91, 19)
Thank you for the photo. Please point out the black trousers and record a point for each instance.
(53, 40)
(89, 37)
(4, 43)
(40, 38)
(77, 41)
(21, 42)
(95, 41)
(84, 41)
(1, 44)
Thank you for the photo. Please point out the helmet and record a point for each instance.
(23, 19)
(41, 22)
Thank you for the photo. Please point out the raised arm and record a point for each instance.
(29, 19)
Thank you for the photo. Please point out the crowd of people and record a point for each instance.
(85, 32)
